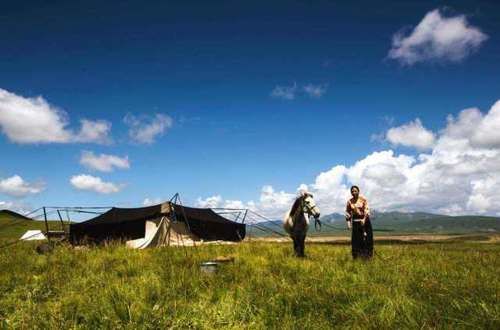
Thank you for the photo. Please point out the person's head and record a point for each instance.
(355, 191)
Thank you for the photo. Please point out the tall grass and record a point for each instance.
(452, 285)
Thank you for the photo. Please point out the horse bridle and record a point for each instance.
(317, 222)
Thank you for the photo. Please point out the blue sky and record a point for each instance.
(211, 69)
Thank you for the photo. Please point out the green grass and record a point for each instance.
(449, 285)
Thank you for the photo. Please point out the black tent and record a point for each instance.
(208, 225)
(129, 223)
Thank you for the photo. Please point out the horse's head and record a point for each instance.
(309, 205)
(303, 204)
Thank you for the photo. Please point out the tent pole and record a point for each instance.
(46, 223)
(245, 216)
(67, 216)
(60, 219)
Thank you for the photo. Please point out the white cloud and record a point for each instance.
(412, 134)
(488, 133)
(31, 120)
(234, 204)
(96, 184)
(284, 92)
(437, 38)
(271, 203)
(34, 120)
(6, 205)
(144, 129)
(270, 200)
(16, 186)
(16, 206)
(459, 175)
(315, 91)
(209, 202)
(289, 93)
(103, 162)
(152, 201)
(94, 132)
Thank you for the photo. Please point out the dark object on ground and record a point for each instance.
(44, 248)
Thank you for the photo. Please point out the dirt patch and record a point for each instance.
(418, 238)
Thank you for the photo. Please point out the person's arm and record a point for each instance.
(366, 211)
(348, 215)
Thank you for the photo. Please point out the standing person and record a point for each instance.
(357, 215)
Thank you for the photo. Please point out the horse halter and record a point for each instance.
(305, 207)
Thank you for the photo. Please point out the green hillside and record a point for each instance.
(13, 225)
(392, 223)
(444, 224)
(398, 218)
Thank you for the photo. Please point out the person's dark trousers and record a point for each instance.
(362, 239)
(299, 244)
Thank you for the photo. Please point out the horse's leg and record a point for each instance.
(298, 243)
(295, 244)
(302, 244)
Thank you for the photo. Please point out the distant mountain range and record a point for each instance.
(403, 222)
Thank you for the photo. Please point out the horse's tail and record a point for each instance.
(287, 223)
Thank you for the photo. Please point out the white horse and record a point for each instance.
(296, 221)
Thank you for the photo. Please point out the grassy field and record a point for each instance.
(434, 285)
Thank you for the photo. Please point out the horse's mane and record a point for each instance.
(295, 205)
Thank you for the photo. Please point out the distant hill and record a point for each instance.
(13, 225)
(399, 222)
(9, 213)
(447, 224)
(433, 223)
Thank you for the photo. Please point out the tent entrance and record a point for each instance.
(164, 232)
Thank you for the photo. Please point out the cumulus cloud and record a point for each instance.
(33, 120)
(95, 184)
(487, 133)
(271, 203)
(315, 91)
(16, 186)
(94, 132)
(412, 134)
(144, 129)
(209, 202)
(459, 174)
(437, 38)
(271, 199)
(103, 162)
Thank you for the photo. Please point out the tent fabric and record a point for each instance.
(210, 226)
(33, 235)
(164, 232)
(143, 225)
(117, 224)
